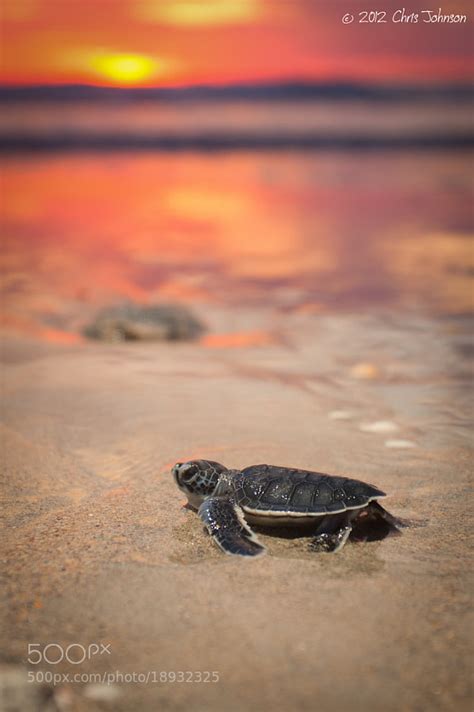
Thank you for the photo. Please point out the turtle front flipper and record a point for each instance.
(224, 520)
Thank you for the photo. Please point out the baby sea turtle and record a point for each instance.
(229, 500)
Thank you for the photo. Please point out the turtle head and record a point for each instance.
(198, 479)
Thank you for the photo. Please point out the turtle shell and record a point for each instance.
(267, 489)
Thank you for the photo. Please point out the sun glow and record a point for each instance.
(201, 12)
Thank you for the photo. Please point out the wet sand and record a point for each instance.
(99, 549)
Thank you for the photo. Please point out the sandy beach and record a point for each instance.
(98, 548)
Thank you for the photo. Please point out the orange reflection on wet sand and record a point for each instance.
(238, 339)
(316, 231)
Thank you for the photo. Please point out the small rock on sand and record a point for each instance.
(340, 415)
(101, 693)
(365, 371)
(379, 426)
(399, 443)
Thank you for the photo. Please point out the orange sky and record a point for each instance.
(175, 42)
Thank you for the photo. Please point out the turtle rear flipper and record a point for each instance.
(330, 543)
(224, 520)
(374, 523)
(395, 523)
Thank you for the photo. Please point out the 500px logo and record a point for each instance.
(74, 653)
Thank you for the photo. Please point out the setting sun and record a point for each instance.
(124, 68)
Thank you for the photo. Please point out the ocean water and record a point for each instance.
(237, 122)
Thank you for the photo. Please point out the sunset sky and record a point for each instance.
(180, 42)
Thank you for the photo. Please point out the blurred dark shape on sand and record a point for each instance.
(131, 322)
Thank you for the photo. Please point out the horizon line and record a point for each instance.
(169, 143)
(297, 89)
